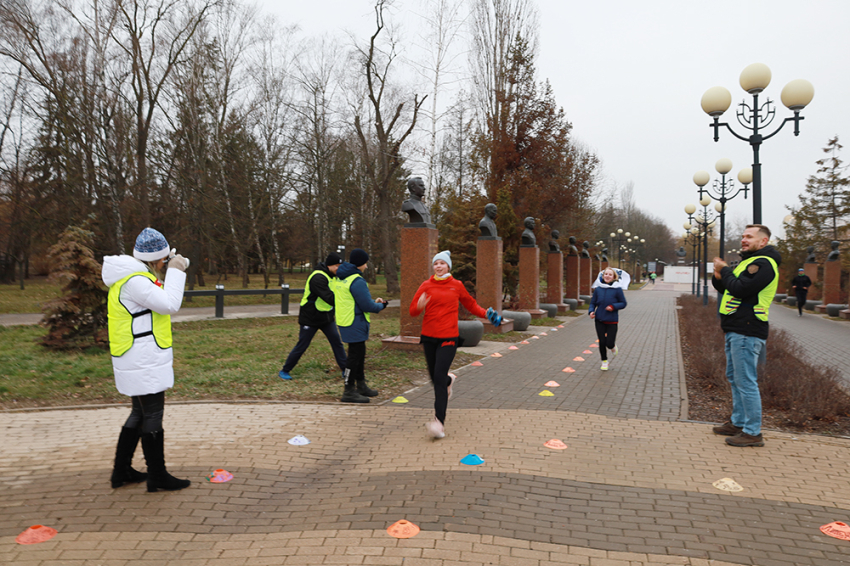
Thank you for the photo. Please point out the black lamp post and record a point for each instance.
(723, 191)
(690, 209)
(754, 79)
(619, 237)
(691, 237)
(706, 223)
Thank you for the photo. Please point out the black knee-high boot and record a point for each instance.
(158, 476)
(123, 472)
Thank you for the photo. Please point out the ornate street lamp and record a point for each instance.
(796, 95)
(619, 237)
(690, 209)
(723, 191)
(706, 221)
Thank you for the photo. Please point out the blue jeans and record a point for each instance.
(742, 359)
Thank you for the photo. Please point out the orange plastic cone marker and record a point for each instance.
(495, 355)
(837, 530)
(560, 326)
(403, 529)
(587, 352)
(555, 444)
(546, 393)
(35, 534)
(476, 364)
(219, 476)
(525, 342)
(568, 370)
(593, 346)
(552, 384)
(578, 359)
(512, 348)
(597, 340)
(543, 334)
(728, 484)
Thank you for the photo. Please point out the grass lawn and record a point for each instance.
(214, 360)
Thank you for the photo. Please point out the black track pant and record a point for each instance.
(439, 354)
(607, 334)
(146, 415)
(356, 363)
(801, 300)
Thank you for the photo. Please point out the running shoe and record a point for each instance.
(284, 375)
(604, 366)
(435, 429)
(451, 382)
(614, 352)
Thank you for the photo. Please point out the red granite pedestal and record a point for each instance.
(603, 265)
(555, 281)
(529, 281)
(585, 276)
(571, 275)
(488, 281)
(831, 285)
(418, 247)
(812, 272)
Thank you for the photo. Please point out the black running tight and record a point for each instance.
(607, 334)
(440, 353)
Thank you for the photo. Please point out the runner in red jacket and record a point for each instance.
(439, 297)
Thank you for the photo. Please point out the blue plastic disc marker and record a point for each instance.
(472, 460)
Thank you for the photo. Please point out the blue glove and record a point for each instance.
(494, 317)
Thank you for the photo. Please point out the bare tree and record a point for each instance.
(383, 160)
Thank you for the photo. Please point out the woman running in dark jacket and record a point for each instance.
(604, 309)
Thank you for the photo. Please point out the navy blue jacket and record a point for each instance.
(363, 302)
(605, 295)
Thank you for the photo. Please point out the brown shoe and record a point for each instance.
(744, 439)
(727, 429)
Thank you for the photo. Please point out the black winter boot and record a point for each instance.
(364, 389)
(122, 472)
(158, 476)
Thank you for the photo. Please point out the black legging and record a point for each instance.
(607, 334)
(801, 300)
(439, 354)
(147, 412)
(356, 363)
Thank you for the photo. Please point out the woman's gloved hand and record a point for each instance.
(494, 317)
(178, 262)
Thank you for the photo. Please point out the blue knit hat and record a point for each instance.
(444, 255)
(151, 245)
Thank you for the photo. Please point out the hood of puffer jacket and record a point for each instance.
(346, 269)
(117, 267)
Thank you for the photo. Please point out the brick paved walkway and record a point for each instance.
(633, 487)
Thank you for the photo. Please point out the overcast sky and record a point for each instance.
(630, 76)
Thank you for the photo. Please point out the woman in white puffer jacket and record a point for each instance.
(140, 305)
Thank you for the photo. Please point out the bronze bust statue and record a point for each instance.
(487, 226)
(414, 207)
(528, 237)
(811, 257)
(585, 252)
(833, 255)
(573, 250)
(553, 243)
(604, 254)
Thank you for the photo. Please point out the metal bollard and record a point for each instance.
(284, 299)
(219, 301)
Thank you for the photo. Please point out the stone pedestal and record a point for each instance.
(603, 265)
(529, 281)
(555, 281)
(812, 272)
(832, 283)
(488, 280)
(585, 276)
(571, 277)
(418, 247)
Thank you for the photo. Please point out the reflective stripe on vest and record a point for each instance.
(345, 301)
(120, 320)
(321, 305)
(730, 304)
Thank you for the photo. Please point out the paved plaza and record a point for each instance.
(634, 485)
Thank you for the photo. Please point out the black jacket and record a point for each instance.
(801, 284)
(309, 315)
(746, 287)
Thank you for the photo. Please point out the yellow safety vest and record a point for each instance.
(321, 305)
(345, 301)
(120, 321)
(730, 304)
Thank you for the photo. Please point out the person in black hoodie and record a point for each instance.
(748, 292)
(801, 285)
(317, 313)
